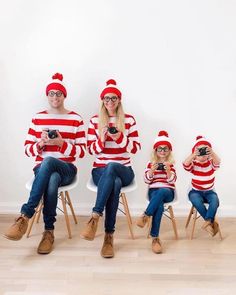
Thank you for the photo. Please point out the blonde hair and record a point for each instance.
(103, 118)
(156, 159)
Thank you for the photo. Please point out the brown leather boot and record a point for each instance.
(46, 244)
(215, 227)
(142, 220)
(208, 226)
(156, 246)
(91, 228)
(107, 248)
(16, 231)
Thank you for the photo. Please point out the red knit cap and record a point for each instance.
(162, 139)
(200, 140)
(56, 84)
(110, 88)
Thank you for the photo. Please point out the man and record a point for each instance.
(55, 138)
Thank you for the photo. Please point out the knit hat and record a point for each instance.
(162, 139)
(110, 88)
(56, 84)
(200, 140)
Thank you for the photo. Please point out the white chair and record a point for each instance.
(169, 213)
(123, 200)
(63, 195)
(194, 215)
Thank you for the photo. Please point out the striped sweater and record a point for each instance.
(71, 128)
(159, 178)
(113, 151)
(203, 174)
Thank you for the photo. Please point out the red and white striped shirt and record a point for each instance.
(203, 174)
(159, 178)
(113, 151)
(71, 129)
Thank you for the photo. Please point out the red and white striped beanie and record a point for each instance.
(56, 84)
(111, 88)
(162, 139)
(200, 140)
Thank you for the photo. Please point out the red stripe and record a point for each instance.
(62, 122)
(202, 182)
(200, 173)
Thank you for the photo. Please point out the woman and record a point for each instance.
(112, 136)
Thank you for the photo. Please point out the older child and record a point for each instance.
(160, 176)
(202, 163)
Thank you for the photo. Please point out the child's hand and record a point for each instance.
(154, 167)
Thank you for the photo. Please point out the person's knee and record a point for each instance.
(194, 198)
(47, 162)
(111, 167)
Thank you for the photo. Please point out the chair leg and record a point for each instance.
(71, 206)
(194, 222)
(35, 216)
(127, 214)
(66, 214)
(149, 225)
(170, 209)
(189, 216)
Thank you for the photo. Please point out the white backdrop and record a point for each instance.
(175, 62)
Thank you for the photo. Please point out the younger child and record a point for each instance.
(160, 176)
(202, 163)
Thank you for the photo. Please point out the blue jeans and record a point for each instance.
(49, 175)
(109, 181)
(155, 208)
(198, 198)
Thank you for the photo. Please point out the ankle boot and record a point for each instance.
(156, 246)
(46, 244)
(91, 228)
(142, 220)
(16, 231)
(107, 248)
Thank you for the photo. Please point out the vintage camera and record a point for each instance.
(161, 166)
(112, 130)
(202, 151)
(52, 134)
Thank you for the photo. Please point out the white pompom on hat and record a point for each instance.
(57, 84)
(111, 88)
(162, 139)
(200, 140)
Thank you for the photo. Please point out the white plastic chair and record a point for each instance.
(169, 213)
(123, 200)
(63, 195)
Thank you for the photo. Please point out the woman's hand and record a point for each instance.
(103, 136)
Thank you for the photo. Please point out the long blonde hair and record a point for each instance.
(156, 159)
(103, 118)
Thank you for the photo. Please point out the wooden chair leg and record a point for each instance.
(127, 214)
(71, 206)
(35, 216)
(194, 222)
(66, 214)
(170, 209)
(189, 216)
(149, 225)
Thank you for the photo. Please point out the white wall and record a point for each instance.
(174, 60)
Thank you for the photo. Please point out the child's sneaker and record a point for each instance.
(142, 220)
(156, 246)
(16, 231)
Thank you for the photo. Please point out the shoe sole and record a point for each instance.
(11, 239)
(107, 256)
(44, 252)
(85, 238)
